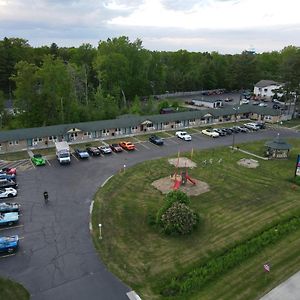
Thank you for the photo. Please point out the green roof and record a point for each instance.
(126, 122)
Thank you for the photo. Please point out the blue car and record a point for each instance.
(9, 244)
(8, 219)
(82, 153)
(7, 176)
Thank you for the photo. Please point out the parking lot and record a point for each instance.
(56, 258)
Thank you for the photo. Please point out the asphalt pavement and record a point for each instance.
(57, 259)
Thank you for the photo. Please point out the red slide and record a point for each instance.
(176, 185)
(190, 179)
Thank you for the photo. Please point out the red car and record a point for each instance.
(116, 148)
(10, 171)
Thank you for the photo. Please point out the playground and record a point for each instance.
(180, 179)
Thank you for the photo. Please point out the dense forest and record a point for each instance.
(53, 85)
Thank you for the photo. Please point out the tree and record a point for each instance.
(136, 106)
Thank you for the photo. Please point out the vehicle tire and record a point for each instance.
(10, 223)
(10, 195)
(10, 250)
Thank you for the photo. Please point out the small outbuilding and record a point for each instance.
(278, 148)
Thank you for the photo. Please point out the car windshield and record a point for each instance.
(63, 155)
(115, 145)
(37, 155)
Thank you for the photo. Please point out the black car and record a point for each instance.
(235, 129)
(227, 130)
(93, 151)
(156, 140)
(9, 207)
(261, 125)
(220, 131)
(6, 183)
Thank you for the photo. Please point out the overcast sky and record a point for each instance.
(226, 26)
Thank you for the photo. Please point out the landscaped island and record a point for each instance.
(249, 217)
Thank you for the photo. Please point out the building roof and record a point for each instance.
(128, 121)
(265, 83)
(278, 144)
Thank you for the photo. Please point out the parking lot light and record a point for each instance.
(236, 110)
(100, 233)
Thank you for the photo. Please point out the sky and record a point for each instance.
(225, 26)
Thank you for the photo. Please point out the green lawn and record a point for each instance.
(241, 202)
(45, 151)
(145, 137)
(10, 290)
(11, 156)
(291, 123)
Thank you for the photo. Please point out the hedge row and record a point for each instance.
(197, 277)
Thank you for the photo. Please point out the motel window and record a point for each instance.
(166, 123)
(14, 143)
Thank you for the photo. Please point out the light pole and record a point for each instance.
(100, 233)
(236, 109)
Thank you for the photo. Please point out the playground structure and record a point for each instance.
(181, 179)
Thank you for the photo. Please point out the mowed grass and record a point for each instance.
(11, 156)
(10, 290)
(241, 202)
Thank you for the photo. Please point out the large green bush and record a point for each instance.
(176, 217)
(179, 219)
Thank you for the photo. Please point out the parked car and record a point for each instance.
(93, 151)
(276, 106)
(9, 207)
(116, 148)
(244, 101)
(6, 183)
(263, 104)
(7, 176)
(261, 125)
(82, 154)
(220, 131)
(183, 135)
(251, 126)
(235, 129)
(228, 99)
(210, 132)
(243, 129)
(127, 145)
(8, 170)
(156, 140)
(227, 130)
(8, 219)
(8, 192)
(9, 244)
(105, 149)
(255, 103)
(38, 160)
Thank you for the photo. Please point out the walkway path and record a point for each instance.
(288, 290)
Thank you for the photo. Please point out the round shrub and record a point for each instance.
(179, 219)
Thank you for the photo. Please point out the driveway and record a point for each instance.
(57, 259)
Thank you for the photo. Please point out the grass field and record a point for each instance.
(11, 156)
(241, 202)
(10, 290)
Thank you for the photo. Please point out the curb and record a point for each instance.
(132, 295)
(92, 204)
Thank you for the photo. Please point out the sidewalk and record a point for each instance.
(288, 290)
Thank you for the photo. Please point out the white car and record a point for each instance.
(244, 101)
(8, 192)
(263, 104)
(105, 149)
(183, 135)
(252, 126)
(210, 132)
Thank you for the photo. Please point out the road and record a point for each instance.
(57, 259)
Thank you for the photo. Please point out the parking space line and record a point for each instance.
(11, 227)
(8, 255)
(144, 145)
(173, 141)
(48, 162)
(74, 156)
(137, 140)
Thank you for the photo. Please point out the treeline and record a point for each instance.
(52, 85)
